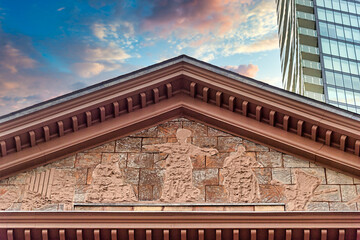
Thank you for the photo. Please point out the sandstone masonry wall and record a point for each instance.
(167, 164)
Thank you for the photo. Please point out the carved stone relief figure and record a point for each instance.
(239, 178)
(108, 185)
(38, 191)
(8, 196)
(299, 195)
(178, 183)
(49, 189)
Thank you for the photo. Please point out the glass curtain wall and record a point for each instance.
(338, 23)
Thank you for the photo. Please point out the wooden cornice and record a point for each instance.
(240, 107)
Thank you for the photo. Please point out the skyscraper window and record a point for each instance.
(320, 40)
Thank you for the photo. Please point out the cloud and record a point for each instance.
(108, 54)
(99, 30)
(60, 9)
(10, 85)
(19, 90)
(249, 70)
(87, 70)
(113, 31)
(99, 59)
(12, 59)
(187, 18)
(270, 43)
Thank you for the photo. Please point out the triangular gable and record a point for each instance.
(180, 87)
(180, 165)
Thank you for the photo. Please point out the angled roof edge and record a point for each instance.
(181, 86)
(164, 64)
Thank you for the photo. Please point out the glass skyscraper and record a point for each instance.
(320, 50)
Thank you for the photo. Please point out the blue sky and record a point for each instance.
(49, 48)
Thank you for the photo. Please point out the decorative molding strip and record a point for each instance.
(180, 220)
(277, 111)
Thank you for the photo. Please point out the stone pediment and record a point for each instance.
(180, 165)
(292, 128)
(182, 86)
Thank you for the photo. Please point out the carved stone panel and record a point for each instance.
(181, 162)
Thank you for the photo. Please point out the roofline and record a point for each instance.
(37, 135)
(181, 105)
(167, 63)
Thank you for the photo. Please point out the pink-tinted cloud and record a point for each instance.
(12, 59)
(10, 85)
(87, 70)
(249, 70)
(194, 17)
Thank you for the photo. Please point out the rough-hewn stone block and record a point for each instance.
(19, 179)
(120, 158)
(84, 160)
(79, 198)
(160, 160)
(318, 172)
(325, 193)
(205, 141)
(212, 132)
(339, 206)
(254, 147)
(269, 159)
(203, 177)
(157, 192)
(168, 129)
(81, 176)
(152, 176)
(197, 129)
(318, 206)
(146, 133)
(151, 141)
(348, 192)
(131, 175)
(263, 175)
(282, 175)
(128, 144)
(67, 162)
(198, 162)
(228, 144)
(216, 161)
(89, 176)
(291, 161)
(140, 160)
(333, 177)
(180, 119)
(4, 182)
(216, 194)
(145, 192)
